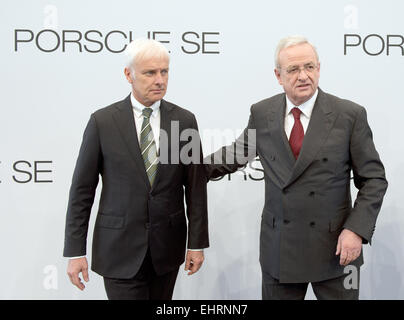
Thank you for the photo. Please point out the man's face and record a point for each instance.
(299, 72)
(149, 79)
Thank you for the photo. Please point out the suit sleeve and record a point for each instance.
(82, 192)
(369, 179)
(230, 158)
(196, 195)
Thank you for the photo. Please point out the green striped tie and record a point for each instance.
(148, 146)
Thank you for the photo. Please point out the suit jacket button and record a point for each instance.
(286, 221)
(325, 159)
(311, 193)
(312, 224)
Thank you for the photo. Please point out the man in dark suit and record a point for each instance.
(308, 143)
(140, 232)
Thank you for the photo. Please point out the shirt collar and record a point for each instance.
(138, 107)
(306, 108)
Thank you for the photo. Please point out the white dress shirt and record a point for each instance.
(154, 118)
(306, 109)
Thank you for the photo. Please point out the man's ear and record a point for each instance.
(278, 75)
(128, 74)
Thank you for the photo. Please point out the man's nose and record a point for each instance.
(302, 76)
(159, 78)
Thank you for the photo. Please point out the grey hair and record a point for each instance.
(142, 48)
(289, 42)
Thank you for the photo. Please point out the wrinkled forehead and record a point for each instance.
(159, 61)
(299, 54)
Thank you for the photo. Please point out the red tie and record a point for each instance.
(297, 134)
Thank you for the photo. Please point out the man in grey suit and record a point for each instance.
(141, 231)
(309, 142)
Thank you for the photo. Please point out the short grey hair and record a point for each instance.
(289, 42)
(142, 48)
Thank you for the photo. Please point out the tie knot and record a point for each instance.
(147, 112)
(296, 113)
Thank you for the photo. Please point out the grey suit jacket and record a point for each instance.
(133, 216)
(308, 200)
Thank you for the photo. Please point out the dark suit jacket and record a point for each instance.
(132, 216)
(308, 200)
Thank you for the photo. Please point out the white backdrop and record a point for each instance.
(51, 86)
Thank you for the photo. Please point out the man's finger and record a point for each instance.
(74, 278)
(343, 257)
(356, 254)
(85, 275)
(338, 247)
(348, 258)
(195, 266)
(187, 263)
(191, 269)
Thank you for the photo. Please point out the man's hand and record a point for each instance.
(349, 247)
(74, 267)
(193, 261)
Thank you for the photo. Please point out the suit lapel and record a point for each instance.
(320, 124)
(165, 138)
(124, 119)
(276, 120)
